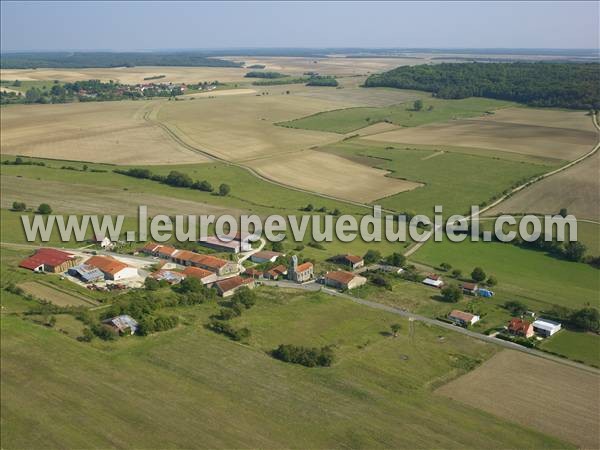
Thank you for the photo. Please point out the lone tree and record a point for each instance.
(563, 212)
(478, 274)
(451, 293)
(456, 273)
(44, 208)
(396, 259)
(372, 256)
(224, 190)
(395, 327)
(491, 281)
(418, 105)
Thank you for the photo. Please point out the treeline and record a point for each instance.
(322, 81)
(80, 60)
(265, 75)
(243, 299)
(279, 81)
(175, 179)
(565, 85)
(583, 319)
(306, 356)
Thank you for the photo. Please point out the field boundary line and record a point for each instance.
(593, 151)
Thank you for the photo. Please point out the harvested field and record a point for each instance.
(241, 127)
(577, 189)
(549, 142)
(550, 397)
(129, 75)
(220, 93)
(333, 175)
(55, 296)
(575, 120)
(92, 199)
(108, 132)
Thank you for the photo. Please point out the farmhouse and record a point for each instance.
(462, 318)
(433, 280)
(227, 287)
(49, 260)
(470, 288)
(169, 276)
(165, 251)
(545, 327)
(149, 248)
(520, 327)
(340, 279)
(228, 243)
(217, 265)
(276, 272)
(122, 324)
(300, 273)
(206, 276)
(112, 268)
(265, 256)
(86, 273)
(352, 261)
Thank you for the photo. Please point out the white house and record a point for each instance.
(545, 327)
(433, 280)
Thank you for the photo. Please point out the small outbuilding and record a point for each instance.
(85, 273)
(545, 327)
(123, 324)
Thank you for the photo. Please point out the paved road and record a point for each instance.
(314, 287)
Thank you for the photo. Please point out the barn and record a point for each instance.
(229, 286)
(112, 268)
(340, 279)
(545, 327)
(49, 260)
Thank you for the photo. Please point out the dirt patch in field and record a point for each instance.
(550, 142)
(72, 198)
(332, 175)
(53, 295)
(577, 189)
(553, 398)
(107, 132)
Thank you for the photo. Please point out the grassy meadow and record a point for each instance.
(582, 347)
(452, 179)
(189, 386)
(351, 119)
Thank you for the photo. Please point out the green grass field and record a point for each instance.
(522, 273)
(351, 119)
(451, 179)
(190, 387)
(583, 347)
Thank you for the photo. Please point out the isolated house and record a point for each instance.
(265, 256)
(112, 268)
(229, 286)
(300, 273)
(122, 324)
(49, 260)
(206, 276)
(462, 318)
(340, 279)
(433, 280)
(520, 327)
(545, 327)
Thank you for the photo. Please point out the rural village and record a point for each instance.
(235, 341)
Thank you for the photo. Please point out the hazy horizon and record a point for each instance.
(162, 26)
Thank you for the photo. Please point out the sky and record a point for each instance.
(189, 25)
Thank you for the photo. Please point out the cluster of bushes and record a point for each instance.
(567, 85)
(379, 280)
(19, 161)
(256, 66)
(323, 81)
(174, 178)
(310, 207)
(306, 356)
(151, 324)
(243, 298)
(221, 327)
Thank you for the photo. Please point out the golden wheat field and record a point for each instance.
(559, 400)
